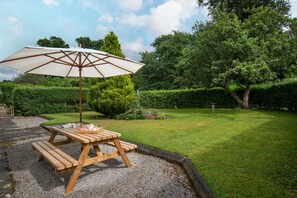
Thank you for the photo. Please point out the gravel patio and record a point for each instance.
(149, 176)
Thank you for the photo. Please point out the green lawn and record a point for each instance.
(239, 153)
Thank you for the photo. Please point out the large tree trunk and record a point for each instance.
(244, 102)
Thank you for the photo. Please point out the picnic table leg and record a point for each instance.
(52, 137)
(122, 152)
(97, 150)
(51, 140)
(75, 174)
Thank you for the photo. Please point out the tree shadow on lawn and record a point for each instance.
(255, 163)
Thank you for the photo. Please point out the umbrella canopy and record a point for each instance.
(70, 62)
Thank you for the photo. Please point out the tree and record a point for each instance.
(267, 26)
(86, 42)
(112, 45)
(111, 96)
(228, 51)
(160, 70)
(52, 42)
(242, 8)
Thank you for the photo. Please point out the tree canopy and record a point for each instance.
(53, 41)
(230, 51)
(242, 8)
(160, 70)
(112, 45)
(86, 42)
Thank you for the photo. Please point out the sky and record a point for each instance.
(136, 22)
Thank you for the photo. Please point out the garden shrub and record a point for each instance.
(29, 101)
(135, 112)
(112, 96)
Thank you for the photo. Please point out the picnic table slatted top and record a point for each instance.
(86, 138)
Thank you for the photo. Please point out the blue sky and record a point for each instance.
(136, 22)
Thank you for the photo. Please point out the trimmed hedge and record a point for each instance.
(1, 98)
(191, 98)
(275, 97)
(282, 96)
(6, 89)
(29, 101)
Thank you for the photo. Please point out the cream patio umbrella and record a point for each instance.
(70, 62)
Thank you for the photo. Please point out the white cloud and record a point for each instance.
(294, 8)
(132, 49)
(134, 20)
(102, 30)
(164, 18)
(137, 46)
(106, 18)
(92, 4)
(133, 5)
(17, 26)
(50, 2)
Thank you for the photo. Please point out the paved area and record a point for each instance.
(149, 176)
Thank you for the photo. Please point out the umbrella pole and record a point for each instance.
(80, 94)
(80, 98)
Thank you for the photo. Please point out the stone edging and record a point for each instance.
(196, 179)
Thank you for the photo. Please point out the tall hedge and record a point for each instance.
(282, 96)
(6, 90)
(275, 97)
(1, 98)
(29, 101)
(186, 98)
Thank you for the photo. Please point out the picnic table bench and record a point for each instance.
(64, 162)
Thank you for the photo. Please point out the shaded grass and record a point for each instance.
(239, 153)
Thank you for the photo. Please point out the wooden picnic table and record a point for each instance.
(62, 161)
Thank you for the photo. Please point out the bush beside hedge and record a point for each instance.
(29, 101)
(275, 97)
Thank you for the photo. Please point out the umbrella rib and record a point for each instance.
(56, 60)
(98, 59)
(95, 67)
(72, 65)
(114, 65)
(44, 63)
(20, 58)
(71, 58)
(120, 58)
(86, 58)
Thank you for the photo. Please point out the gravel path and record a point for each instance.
(28, 122)
(148, 177)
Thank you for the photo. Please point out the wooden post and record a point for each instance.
(213, 107)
